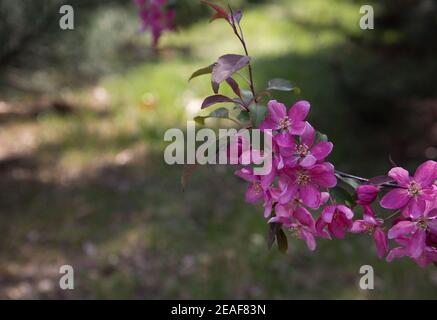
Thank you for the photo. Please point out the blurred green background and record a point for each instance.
(82, 176)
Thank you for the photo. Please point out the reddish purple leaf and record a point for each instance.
(215, 87)
(227, 65)
(220, 13)
(234, 86)
(218, 98)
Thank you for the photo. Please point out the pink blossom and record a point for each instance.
(415, 232)
(428, 255)
(155, 16)
(414, 191)
(366, 194)
(291, 123)
(306, 152)
(258, 187)
(338, 219)
(305, 183)
(370, 224)
(298, 220)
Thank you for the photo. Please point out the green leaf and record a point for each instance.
(342, 196)
(215, 111)
(282, 85)
(242, 115)
(258, 114)
(281, 238)
(321, 137)
(247, 96)
(201, 72)
(349, 181)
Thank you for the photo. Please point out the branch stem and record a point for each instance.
(240, 37)
(361, 179)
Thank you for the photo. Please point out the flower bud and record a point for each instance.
(366, 194)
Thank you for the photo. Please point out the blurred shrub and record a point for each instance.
(388, 74)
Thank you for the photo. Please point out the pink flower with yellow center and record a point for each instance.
(413, 192)
(305, 183)
(286, 123)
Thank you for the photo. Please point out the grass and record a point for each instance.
(98, 196)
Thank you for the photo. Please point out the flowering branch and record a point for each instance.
(301, 182)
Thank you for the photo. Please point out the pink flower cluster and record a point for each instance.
(156, 16)
(301, 181)
(415, 230)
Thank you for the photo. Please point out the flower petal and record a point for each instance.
(277, 111)
(308, 135)
(417, 243)
(359, 226)
(297, 128)
(309, 239)
(299, 111)
(426, 173)
(401, 228)
(396, 253)
(292, 162)
(395, 199)
(268, 124)
(380, 242)
(400, 175)
(328, 214)
(284, 139)
(324, 198)
(432, 225)
(310, 195)
(347, 212)
(320, 228)
(337, 228)
(308, 161)
(253, 195)
(289, 194)
(283, 211)
(322, 150)
(416, 208)
(246, 174)
(267, 179)
(268, 205)
(323, 176)
(304, 217)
